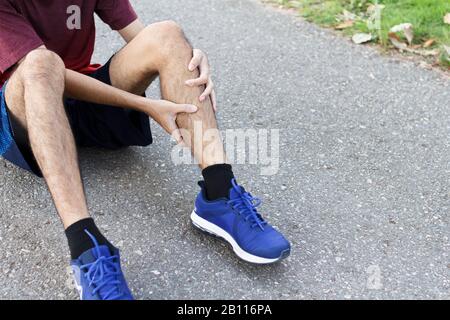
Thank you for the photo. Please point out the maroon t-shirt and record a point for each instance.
(66, 27)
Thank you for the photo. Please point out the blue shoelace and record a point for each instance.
(246, 206)
(102, 274)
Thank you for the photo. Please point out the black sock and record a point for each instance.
(79, 241)
(218, 181)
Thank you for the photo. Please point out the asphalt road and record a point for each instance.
(362, 190)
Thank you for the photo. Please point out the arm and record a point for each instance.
(132, 30)
(81, 87)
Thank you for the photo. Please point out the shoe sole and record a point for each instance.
(214, 230)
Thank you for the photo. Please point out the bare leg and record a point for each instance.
(34, 97)
(162, 49)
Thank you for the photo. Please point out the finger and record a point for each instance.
(209, 89)
(214, 100)
(172, 128)
(176, 135)
(201, 80)
(205, 71)
(185, 108)
(196, 60)
(204, 65)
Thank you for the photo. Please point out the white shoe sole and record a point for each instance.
(213, 229)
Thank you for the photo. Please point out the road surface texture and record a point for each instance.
(362, 189)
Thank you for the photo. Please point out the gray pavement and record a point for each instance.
(362, 191)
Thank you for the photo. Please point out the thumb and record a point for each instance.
(187, 108)
(174, 131)
(176, 135)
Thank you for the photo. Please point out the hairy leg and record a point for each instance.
(162, 49)
(34, 95)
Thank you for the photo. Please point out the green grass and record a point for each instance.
(426, 16)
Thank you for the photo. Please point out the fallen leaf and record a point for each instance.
(397, 42)
(428, 43)
(406, 29)
(426, 53)
(400, 27)
(359, 38)
(400, 45)
(447, 18)
(409, 34)
(344, 25)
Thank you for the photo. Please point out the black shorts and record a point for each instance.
(93, 125)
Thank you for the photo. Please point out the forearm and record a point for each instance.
(85, 88)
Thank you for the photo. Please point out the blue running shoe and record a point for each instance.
(237, 221)
(98, 275)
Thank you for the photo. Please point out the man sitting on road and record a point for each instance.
(53, 100)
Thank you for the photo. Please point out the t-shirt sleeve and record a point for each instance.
(116, 13)
(17, 36)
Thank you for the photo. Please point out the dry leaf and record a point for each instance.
(409, 34)
(359, 38)
(428, 43)
(400, 45)
(397, 42)
(447, 18)
(400, 27)
(344, 25)
(406, 29)
(426, 53)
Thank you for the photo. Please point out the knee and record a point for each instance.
(169, 28)
(166, 37)
(43, 64)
